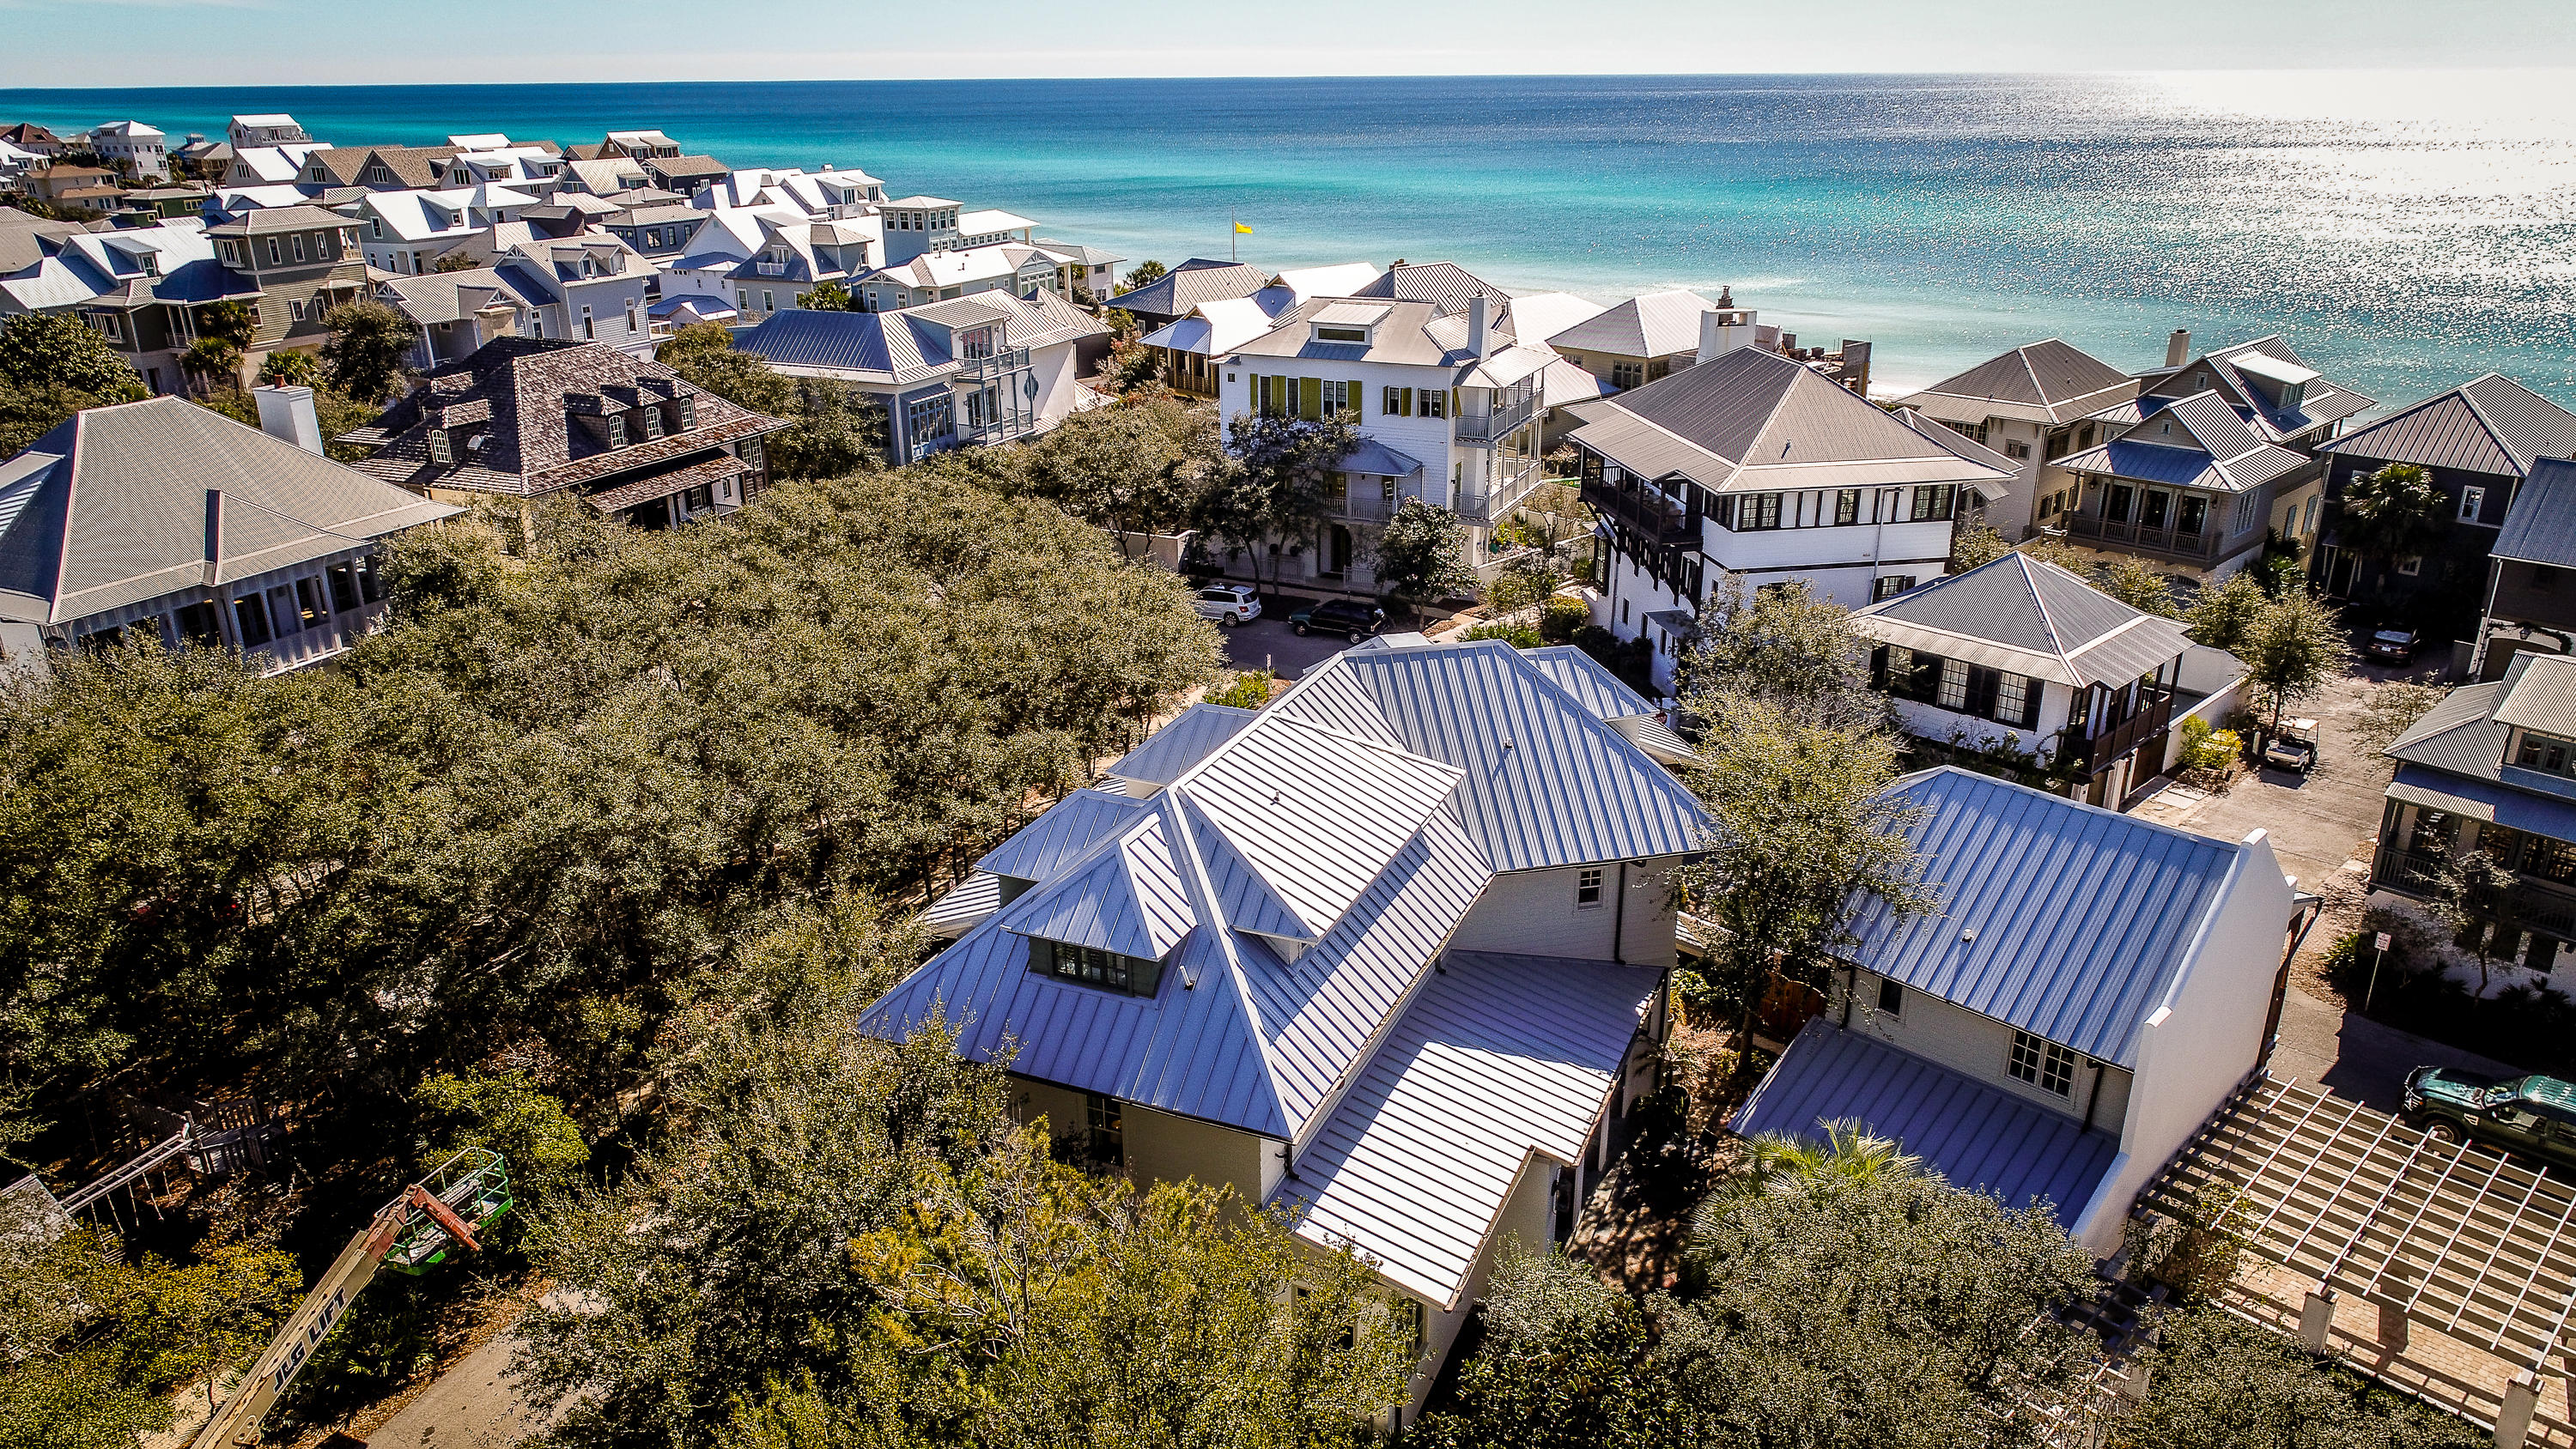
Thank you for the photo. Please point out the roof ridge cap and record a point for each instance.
(2047, 619)
(2495, 435)
(1212, 919)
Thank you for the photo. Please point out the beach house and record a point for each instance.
(1360, 956)
(303, 262)
(1639, 341)
(2034, 405)
(2531, 573)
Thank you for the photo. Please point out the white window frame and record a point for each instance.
(1952, 692)
(1589, 887)
(2411, 565)
(2473, 501)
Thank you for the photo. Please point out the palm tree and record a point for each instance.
(213, 357)
(290, 369)
(1847, 1153)
(2394, 513)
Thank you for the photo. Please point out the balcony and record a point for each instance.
(985, 369)
(334, 634)
(1485, 428)
(2155, 712)
(2538, 905)
(2168, 543)
(770, 269)
(1643, 510)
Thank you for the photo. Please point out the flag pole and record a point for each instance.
(1233, 237)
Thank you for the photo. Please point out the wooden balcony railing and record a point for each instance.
(1646, 511)
(2155, 712)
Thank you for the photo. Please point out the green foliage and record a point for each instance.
(290, 369)
(334, 413)
(2195, 1252)
(2205, 748)
(39, 350)
(827, 296)
(2390, 710)
(1802, 835)
(1526, 582)
(213, 358)
(1788, 647)
(1145, 275)
(1519, 636)
(2216, 1381)
(456, 262)
(2226, 613)
(703, 354)
(836, 430)
(1247, 690)
(505, 1112)
(1566, 1363)
(2393, 513)
(2293, 647)
(1561, 618)
(233, 321)
(1275, 490)
(2135, 582)
(369, 349)
(1975, 546)
(1148, 467)
(1131, 367)
(1420, 554)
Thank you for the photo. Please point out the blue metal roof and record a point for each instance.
(1188, 739)
(878, 342)
(2514, 809)
(1977, 1137)
(1546, 784)
(1589, 681)
(2082, 918)
(1066, 832)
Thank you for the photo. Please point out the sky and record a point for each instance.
(304, 42)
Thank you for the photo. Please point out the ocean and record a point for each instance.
(2405, 231)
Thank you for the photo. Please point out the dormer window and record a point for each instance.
(617, 430)
(1341, 334)
(2541, 752)
(688, 411)
(652, 422)
(441, 448)
(1091, 966)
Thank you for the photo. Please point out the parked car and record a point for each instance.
(2535, 1115)
(1339, 616)
(1228, 604)
(2294, 748)
(2397, 643)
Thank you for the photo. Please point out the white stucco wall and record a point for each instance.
(1980, 1048)
(2204, 1038)
(1162, 1147)
(1931, 722)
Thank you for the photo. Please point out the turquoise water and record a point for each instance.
(2407, 233)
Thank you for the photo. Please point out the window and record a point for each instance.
(2193, 515)
(376, 228)
(1091, 966)
(2156, 508)
(1933, 502)
(1587, 887)
(1846, 507)
(442, 448)
(1953, 693)
(1627, 374)
(1340, 334)
(698, 499)
(1891, 996)
(1888, 586)
(273, 257)
(1341, 399)
(298, 240)
(1397, 403)
(2115, 504)
(294, 311)
(2012, 698)
(2539, 752)
(631, 328)
(1755, 512)
(2084, 436)
(2244, 518)
(588, 332)
(2411, 566)
(617, 430)
(748, 450)
(2043, 1064)
(2473, 501)
(1435, 403)
(1107, 1128)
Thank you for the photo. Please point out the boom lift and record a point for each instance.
(411, 1234)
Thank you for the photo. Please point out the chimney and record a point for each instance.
(1726, 329)
(214, 536)
(286, 413)
(1856, 366)
(2178, 347)
(1476, 324)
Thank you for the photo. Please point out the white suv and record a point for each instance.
(1228, 604)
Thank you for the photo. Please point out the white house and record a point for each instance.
(162, 518)
(2021, 658)
(460, 311)
(990, 368)
(590, 288)
(2091, 989)
(796, 256)
(134, 148)
(1446, 406)
(1754, 464)
(1190, 347)
(268, 165)
(712, 249)
(939, 276)
(1357, 956)
(2034, 404)
(274, 129)
(409, 232)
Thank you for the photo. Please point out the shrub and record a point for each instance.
(2204, 748)
(1248, 690)
(1519, 636)
(1561, 619)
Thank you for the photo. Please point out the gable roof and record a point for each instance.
(1180, 744)
(2195, 442)
(2491, 424)
(2219, 371)
(2027, 617)
(1317, 859)
(1751, 420)
(1657, 324)
(2066, 920)
(1184, 287)
(912, 344)
(110, 508)
(2540, 527)
(1445, 285)
(2052, 379)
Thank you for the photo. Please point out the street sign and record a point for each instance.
(2382, 942)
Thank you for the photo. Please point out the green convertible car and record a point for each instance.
(2534, 1115)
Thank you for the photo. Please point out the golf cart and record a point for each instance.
(2293, 747)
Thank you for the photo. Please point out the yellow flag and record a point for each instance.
(1245, 230)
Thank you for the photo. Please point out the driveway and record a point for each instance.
(2356, 1058)
(1269, 643)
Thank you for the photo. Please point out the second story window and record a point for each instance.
(1846, 507)
(1587, 887)
(2540, 752)
(2473, 501)
(2043, 1064)
(1091, 966)
(1627, 374)
(1933, 502)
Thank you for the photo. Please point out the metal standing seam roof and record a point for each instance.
(1657, 324)
(2540, 526)
(2539, 694)
(109, 508)
(2019, 614)
(1977, 1137)
(1591, 683)
(1499, 1059)
(2324, 402)
(1445, 285)
(2490, 424)
(1187, 739)
(1544, 781)
(2051, 377)
(2465, 735)
(1066, 832)
(1184, 287)
(2083, 919)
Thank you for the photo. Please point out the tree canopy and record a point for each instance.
(52, 366)
(369, 348)
(2393, 512)
(1420, 554)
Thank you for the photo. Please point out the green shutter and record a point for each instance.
(1358, 391)
(1310, 397)
(1408, 402)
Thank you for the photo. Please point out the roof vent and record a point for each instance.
(1969, 934)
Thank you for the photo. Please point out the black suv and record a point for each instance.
(1339, 616)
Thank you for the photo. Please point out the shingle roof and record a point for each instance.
(1197, 280)
(1499, 1058)
(2540, 527)
(2052, 376)
(531, 446)
(109, 508)
(1658, 324)
(2030, 618)
(2071, 922)
(1976, 1137)
(2491, 424)
(1753, 420)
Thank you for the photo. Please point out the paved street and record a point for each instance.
(2356, 1058)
